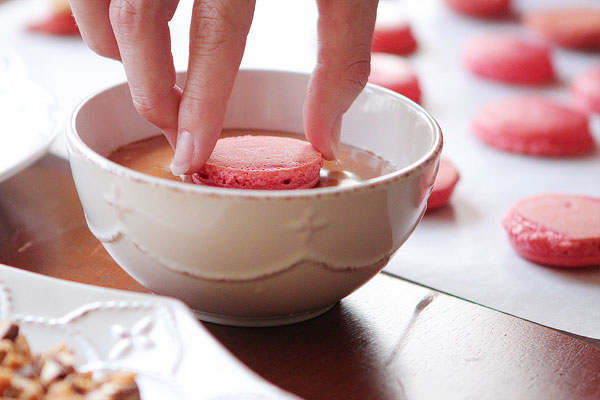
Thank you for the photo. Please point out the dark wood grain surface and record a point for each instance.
(390, 340)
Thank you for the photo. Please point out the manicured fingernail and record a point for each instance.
(334, 141)
(183, 154)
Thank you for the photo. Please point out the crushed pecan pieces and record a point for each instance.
(52, 376)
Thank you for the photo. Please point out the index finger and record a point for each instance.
(217, 41)
(142, 34)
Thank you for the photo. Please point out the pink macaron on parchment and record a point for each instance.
(572, 27)
(395, 73)
(393, 36)
(534, 125)
(481, 8)
(509, 58)
(560, 230)
(444, 184)
(585, 90)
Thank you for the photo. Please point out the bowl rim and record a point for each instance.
(76, 144)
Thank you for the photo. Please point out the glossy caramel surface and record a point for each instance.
(153, 157)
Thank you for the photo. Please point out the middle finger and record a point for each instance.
(142, 33)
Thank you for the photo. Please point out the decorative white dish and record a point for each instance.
(28, 117)
(255, 257)
(158, 338)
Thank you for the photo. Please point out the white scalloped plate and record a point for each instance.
(156, 337)
(28, 117)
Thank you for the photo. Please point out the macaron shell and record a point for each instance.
(393, 37)
(261, 162)
(61, 24)
(585, 90)
(444, 184)
(556, 229)
(577, 28)
(508, 58)
(533, 125)
(481, 8)
(395, 73)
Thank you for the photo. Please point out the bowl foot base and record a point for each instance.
(260, 321)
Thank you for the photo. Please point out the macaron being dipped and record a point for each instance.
(395, 73)
(576, 28)
(444, 184)
(559, 230)
(585, 90)
(261, 162)
(508, 58)
(534, 125)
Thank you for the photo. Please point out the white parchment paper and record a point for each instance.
(462, 249)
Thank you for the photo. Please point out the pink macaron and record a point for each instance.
(534, 125)
(393, 36)
(509, 58)
(444, 184)
(556, 229)
(481, 8)
(585, 90)
(395, 73)
(261, 162)
(577, 28)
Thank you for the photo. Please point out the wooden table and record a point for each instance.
(390, 340)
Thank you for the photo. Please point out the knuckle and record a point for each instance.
(207, 44)
(209, 34)
(192, 97)
(125, 12)
(149, 107)
(217, 24)
(104, 48)
(198, 97)
(348, 66)
(358, 69)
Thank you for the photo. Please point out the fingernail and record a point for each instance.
(184, 150)
(334, 141)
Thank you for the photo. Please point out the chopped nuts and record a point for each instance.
(52, 376)
(9, 330)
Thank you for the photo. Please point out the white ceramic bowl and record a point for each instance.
(250, 257)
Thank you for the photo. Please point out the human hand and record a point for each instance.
(137, 33)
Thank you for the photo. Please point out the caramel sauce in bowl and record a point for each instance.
(256, 257)
(153, 157)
